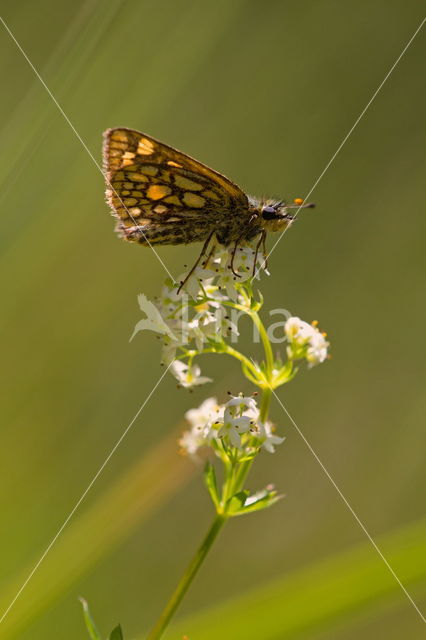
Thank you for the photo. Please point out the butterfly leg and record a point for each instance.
(265, 255)
(234, 251)
(203, 253)
(242, 236)
(261, 241)
(205, 264)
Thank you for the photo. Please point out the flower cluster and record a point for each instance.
(305, 341)
(195, 317)
(199, 315)
(234, 430)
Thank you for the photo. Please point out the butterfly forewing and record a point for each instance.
(161, 195)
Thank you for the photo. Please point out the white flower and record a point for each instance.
(236, 424)
(188, 326)
(208, 411)
(202, 431)
(240, 413)
(191, 441)
(233, 428)
(224, 324)
(318, 349)
(153, 321)
(227, 280)
(244, 263)
(240, 404)
(192, 285)
(264, 433)
(188, 376)
(220, 271)
(298, 330)
(168, 353)
(241, 263)
(201, 327)
(306, 341)
(169, 293)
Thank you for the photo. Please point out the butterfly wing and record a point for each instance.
(162, 196)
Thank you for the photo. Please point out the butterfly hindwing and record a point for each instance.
(161, 195)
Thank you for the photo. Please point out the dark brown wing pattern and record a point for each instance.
(163, 196)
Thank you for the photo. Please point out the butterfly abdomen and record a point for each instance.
(172, 233)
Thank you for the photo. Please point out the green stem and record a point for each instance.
(239, 356)
(234, 482)
(228, 485)
(230, 351)
(245, 467)
(266, 395)
(184, 583)
(265, 404)
(269, 356)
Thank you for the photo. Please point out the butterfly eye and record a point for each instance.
(269, 213)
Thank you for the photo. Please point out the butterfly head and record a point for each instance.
(278, 215)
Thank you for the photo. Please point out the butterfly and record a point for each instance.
(160, 195)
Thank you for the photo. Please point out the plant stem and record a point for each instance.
(245, 466)
(269, 356)
(227, 486)
(265, 403)
(234, 482)
(184, 583)
(239, 356)
(230, 351)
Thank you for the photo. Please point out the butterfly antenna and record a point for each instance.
(298, 203)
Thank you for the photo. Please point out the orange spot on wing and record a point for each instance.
(158, 191)
(145, 147)
(119, 136)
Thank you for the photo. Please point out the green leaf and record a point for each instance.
(260, 500)
(243, 502)
(286, 374)
(90, 623)
(248, 456)
(218, 344)
(236, 503)
(248, 374)
(116, 633)
(211, 483)
(256, 305)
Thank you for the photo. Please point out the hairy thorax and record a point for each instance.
(277, 218)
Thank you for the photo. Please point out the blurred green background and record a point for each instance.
(263, 92)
